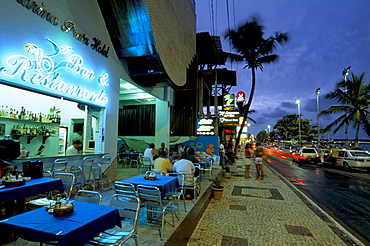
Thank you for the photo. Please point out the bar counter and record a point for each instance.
(73, 160)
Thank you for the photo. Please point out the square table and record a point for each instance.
(76, 228)
(31, 188)
(164, 183)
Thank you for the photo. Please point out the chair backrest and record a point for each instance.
(88, 196)
(158, 172)
(147, 161)
(180, 177)
(59, 165)
(106, 159)
(125, 189)
(188, 179)
(96, 171)
(128, 207)
(68, 180)
(149, 194)
(87, 160)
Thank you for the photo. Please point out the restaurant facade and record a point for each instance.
(59, 77)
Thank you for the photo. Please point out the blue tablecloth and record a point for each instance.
(164, 183)
(31, 188)
(76, 228)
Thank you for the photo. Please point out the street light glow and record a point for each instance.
(318, 115)
(299, 120)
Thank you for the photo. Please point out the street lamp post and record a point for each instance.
(269, 128)
(345, 73)
(298, 102)
(318, 115)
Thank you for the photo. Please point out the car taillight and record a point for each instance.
(317, 156)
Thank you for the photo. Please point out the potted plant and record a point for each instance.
(54, 115)
(217, 188)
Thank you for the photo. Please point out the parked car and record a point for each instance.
(353, 159)
(306, 155)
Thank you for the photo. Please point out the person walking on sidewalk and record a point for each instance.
(258, 153)
(248, 159)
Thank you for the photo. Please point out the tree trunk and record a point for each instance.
(246, 108)
(357, 134)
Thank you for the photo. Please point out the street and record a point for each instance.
(345, 194)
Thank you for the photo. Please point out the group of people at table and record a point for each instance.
(181, 160)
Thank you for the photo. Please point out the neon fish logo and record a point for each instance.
(43, 70)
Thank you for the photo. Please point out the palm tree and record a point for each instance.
(254, 50)
(262, 136)
(284, 126)
(354, 96)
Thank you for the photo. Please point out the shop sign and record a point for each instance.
(68, 26)
(229, 117)
(205, 127)
(229, 102)
(48, 72)
(240, 97)
(241, 118)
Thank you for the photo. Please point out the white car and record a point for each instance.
(353, 158)
(307, 155)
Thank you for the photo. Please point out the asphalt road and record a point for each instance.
(345, 194)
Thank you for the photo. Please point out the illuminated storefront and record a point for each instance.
(55, 56)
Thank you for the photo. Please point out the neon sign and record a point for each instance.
(46, 71)
(39, 9)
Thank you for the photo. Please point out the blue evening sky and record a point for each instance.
(326, 36)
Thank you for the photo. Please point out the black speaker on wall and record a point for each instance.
(33, 169)
(9, 149)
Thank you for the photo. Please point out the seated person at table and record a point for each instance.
(192, 156)
(162, 163)
(163, 148)
(122, 149)
(74, 148)
(184, 165)
(180, 149)
(150, 152)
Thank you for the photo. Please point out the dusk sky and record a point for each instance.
(326, 36)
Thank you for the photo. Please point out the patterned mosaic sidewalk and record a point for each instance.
(268, 212)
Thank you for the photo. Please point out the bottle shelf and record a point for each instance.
(29, 121)
(30, 137)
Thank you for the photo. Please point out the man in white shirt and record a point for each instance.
(183, 165)
(74, 148)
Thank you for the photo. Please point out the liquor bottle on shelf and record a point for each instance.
(10, 115)
(6, 111)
